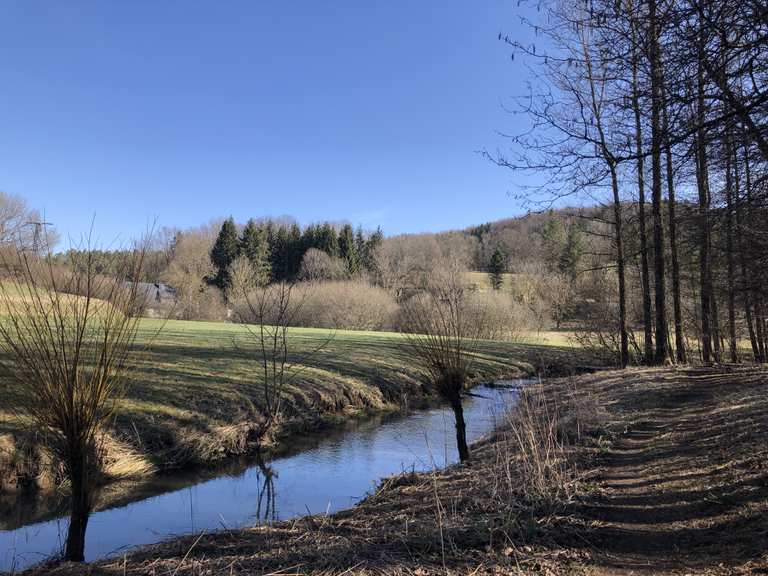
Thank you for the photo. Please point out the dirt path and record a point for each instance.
(684, 488)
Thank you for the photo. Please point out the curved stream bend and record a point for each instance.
(333, 475)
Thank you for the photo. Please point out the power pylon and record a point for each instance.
(38, 233)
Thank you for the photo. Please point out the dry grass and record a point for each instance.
(481, 281)
(123, 461)
(534, 455)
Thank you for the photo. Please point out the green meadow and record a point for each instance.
(192, 388)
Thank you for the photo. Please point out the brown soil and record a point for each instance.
(673, 481)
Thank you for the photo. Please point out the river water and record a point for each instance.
(334, 473)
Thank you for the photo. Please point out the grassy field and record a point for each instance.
(199, 378)
(482, 281)
(194, 387)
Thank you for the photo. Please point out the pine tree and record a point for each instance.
(279, 257)
(570, 257)
(368, 255)
(553, 240)
(348, 249)
(224, 251)
(328, 240)
(254, 246)
(496, 268)
(360, 245)
(295, 250)
(251, 244)
(309, 238)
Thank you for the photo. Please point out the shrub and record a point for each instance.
(535, 448)
(504, 317)
(317, 265)
(188, 274)
(539, 454)
(344, 305)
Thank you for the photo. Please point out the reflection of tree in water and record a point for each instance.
(265, 505)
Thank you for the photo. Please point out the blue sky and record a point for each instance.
(368, 111)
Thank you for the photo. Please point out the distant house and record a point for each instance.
(159, 297)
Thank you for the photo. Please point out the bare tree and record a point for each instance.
(317, 265)
(691, 76)
(65, 357)
(188, 272)
(636, 106)
(274, 309)
(442, 330)
(576, 134)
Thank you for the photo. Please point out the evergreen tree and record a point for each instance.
(496, 268)
(327, 240)
(348, 249)
(224, 251)
(254, 246)
(279, 257)
(360, 244)
(570, 257)
(309, 238)
(251, 242)
(553, 240)
(368, 254)
(295, 250)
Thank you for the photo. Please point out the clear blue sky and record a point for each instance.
(368, 111)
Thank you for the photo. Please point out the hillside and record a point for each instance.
(525, 240)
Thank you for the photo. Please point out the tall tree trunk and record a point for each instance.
(729, 250)
(644, 274)
(677, 307)
(764, 347)
(760, 330)
(659, 275)
(743, 276)
(461, 429)
(729, 246)
(716, 334)
(617, 211)
(754, 335)
(620, 266)
(702, 183)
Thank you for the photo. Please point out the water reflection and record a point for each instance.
(333, 471)
(266, 499)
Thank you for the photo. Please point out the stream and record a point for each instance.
(333, 472)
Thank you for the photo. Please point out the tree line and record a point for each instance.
(658, 110)
(276, 251)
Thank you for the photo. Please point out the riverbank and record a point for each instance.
(194, 392)
(653, 471)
